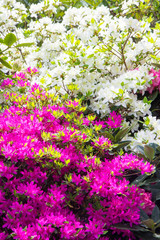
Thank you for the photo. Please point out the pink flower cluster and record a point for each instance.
(51, 187)
(114, 120)
(155, 81)
(20, 79)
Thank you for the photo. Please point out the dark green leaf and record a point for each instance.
(155, 194)
(156, 214)
(158, 173)
(6, 64)
(140, 149)
(158, 196)
(9, 39)
(153, 95)
(139, 181)
(121, 134)
(24, 45)
(122, 144)
(158, 148)
(143, 215)
(155, 146)
(108, 135)
(155, 186)
(149, 152)
(126, 226)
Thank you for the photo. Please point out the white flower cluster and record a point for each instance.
(11, 13)
(150, 134)
(105, 55)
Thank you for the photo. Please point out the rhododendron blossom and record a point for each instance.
(114, 120)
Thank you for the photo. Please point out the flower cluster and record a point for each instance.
(53, 185)
(155, 80)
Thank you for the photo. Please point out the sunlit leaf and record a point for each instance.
(24, 45)
(6, 64)
(10, 39)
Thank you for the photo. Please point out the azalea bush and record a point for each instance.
(79, 135)
(61, 176)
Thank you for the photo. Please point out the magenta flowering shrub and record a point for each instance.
(59, 176)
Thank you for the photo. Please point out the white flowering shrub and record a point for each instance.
(107, 57)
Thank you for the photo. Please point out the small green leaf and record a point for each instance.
(9, 39)
(156, 214)
(6, 64)
(145, 100)
(24, 45)
(149, 152)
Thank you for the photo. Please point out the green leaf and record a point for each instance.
(153, 96)
(122, 144)
(149, 223)
(6, 64)
(155, 186)
(145, 100)
(156, 214)
(108, 135)
(1, 40)
(139, 181)
(24, 45)
(122, 133)
(149, 152)
(158, 174)
(140, 149)
(9, 39)
(143, 215)
(154, 57)
(126, 226)
(155, 194)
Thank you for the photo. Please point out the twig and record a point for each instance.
(123, 47)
